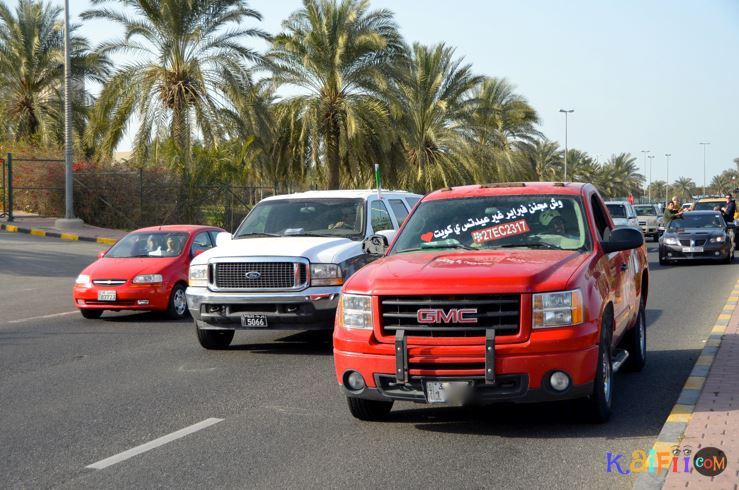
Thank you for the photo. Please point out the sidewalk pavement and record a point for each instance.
(41, 226)
(707, 411)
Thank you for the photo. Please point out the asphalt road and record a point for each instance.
(75, 392)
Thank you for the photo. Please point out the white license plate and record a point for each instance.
(446, 391)
(106, 296)
(249, 320)
(692, 250)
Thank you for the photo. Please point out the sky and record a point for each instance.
(658, 75)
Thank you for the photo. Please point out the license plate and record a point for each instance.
(692, 250)
(446, 391)
(106, 296)
(249, 320)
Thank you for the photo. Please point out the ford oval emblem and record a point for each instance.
(253, 275)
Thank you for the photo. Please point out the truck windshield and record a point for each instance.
(148, 244)
(330, 217)
(617, 210)
(645, 211)
(492, 222)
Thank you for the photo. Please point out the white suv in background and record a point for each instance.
(284, 266)
(650, 220)
(623, 214)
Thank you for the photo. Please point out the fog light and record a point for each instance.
(559, 381)
(669, 254)
(717, 253)
(355, 381)
(80, 301)
(143, 302)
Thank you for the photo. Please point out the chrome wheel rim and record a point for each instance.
(606, 366)
(180, 302)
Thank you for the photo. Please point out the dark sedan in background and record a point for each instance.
(698, 235)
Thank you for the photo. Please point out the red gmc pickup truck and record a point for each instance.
(514, 292)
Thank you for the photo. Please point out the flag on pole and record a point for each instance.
(378, 180)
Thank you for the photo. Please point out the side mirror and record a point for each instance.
(102, 253)
(731, 225)
(197, 252)
(389, 234)
(223, 238)
(625, 238)
(375, 245)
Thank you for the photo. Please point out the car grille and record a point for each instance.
(698, 243)
(499, 311)
(643, 223)
(108, 282)
(272, 275)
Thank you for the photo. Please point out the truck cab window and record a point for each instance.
(379, 217)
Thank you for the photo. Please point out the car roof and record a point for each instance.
(508, 189)
(342, 193)
(705, 211)
(618, 202)
(180, 228)
(712, 199)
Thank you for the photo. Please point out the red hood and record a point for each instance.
(108, 268)
(459, 272)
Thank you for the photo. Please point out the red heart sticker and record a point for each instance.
(427, 237)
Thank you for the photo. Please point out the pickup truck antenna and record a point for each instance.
(378, 181)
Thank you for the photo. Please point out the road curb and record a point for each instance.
(54, 234)
(674, 428)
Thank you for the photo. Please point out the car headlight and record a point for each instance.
(83, 280)
(717, 239)
(557, 309)
(198, 276)
(356, 311)
(326, 275)
(147, 279)
(671, 241)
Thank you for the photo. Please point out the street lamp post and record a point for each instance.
(704, 166)
(645, 152)
(667, 182)
(649, 186)
(566, 112)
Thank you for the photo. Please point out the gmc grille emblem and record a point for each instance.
(253, 275)
(453, 315)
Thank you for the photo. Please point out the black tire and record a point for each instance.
(597, 407)
(370, 410)
(661, 260)
(635, 342)
(214, 339)
(177, 308)
(729, 258)
(91, 314)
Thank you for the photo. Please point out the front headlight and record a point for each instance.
(718, 239)
(557, 309)
(148, 279)
(671, 241)
(198, 276)
(356, 311)
(83, 280)
(326, 275)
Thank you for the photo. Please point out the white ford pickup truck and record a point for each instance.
(284, 266)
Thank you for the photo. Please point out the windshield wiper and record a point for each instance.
(243, 235)
(315, 234)
(436, 246)
(529, 245)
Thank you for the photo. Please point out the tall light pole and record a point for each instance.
(667, 182)
(704, 166)
(566, 112)
(649, 186)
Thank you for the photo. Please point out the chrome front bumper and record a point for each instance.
(312, 307)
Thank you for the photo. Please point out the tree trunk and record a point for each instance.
(332, 150)
(181, 138)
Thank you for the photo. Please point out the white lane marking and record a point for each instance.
(153, 444)
(21, 320)
(185, 369)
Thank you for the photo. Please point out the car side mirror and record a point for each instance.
(389, 234)
(375, 245)
(623, 239)
(731, 225)
(223, 238)
(197, 252)
(102, 253)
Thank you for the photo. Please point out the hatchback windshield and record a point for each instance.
(305, 217)
(645, 211)
(690, 220)
(151, 244)
(617, 210)
(492, 222)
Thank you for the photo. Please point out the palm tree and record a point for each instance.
(544, 159)
(658, 189)
(339, 55)
(434, 103)
(32, 73)
(725, 182)
(623, 175)
(188, 56)
(581, 167)
(500, 123)
(684, 187)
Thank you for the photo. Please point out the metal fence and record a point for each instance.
(123, 198)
